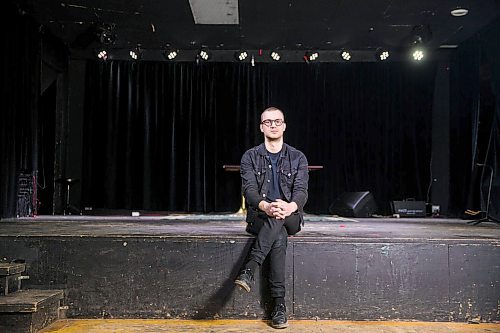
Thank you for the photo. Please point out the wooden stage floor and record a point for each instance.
(251, 326)
(233, 226)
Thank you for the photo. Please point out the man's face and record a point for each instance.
(272, 131)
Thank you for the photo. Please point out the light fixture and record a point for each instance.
(275, 55)
(106, 34)
(418, 53)
(346, 55)
(135, 54)
(204, 54)
(102, 54)
(382, 54)
(241, 55)
(311, 56)
(170, 54)
(420, 35)
(458, 12)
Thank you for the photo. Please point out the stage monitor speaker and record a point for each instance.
(354, 204)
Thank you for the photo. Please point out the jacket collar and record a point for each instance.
(261, 149)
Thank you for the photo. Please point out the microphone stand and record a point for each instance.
(487, 217)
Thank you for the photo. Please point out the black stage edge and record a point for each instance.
(183, 267)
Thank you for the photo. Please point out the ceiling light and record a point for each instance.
(102, 54)
(204, 54)
(382, 54)
(241, 55)
(311, 56)
(170, 54)
(457, 12)
(135, 54)
(275, 56)
(346, 55)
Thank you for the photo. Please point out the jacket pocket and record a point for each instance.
(289, 175)
(260, 176)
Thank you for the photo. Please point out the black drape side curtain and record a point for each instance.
(475, 125)
(19, 103)
(157, 134)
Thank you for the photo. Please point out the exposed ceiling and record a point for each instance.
(261, 24)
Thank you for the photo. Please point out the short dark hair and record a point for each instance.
(272, 108)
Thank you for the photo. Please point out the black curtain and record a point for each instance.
(19, 103)
(490, 112)
(157, 134)
(475, 124)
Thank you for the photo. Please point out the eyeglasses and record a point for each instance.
(269, 122)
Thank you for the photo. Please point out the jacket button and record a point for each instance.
(258, 173)
(268, 180)
(270, 166)
(289, 174)
(264, 195)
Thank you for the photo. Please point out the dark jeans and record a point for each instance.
(272, 241)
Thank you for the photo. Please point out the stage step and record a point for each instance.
(28, 311)
(11, 276)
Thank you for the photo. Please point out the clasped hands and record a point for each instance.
(278, 209)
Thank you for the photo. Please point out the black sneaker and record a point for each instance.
(245, 279)
(278, 317)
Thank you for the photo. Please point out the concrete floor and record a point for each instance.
(226, 326)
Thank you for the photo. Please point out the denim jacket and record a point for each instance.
(256, 176)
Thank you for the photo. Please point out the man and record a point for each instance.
(274, 181)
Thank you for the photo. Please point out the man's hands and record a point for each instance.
(278, 209)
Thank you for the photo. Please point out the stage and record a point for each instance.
(182, 266)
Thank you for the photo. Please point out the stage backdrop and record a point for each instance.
(157, 134)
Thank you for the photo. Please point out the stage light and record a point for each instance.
(204, 54)
(420, 35)
(241, 55)
(418, 54)
(170, 54)
(275, 56)
(135, 54)
(102, 54)
(382, 54)
(311, 56)
(106, 34)
(346, 55)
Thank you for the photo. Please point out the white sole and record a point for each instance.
(243, 285)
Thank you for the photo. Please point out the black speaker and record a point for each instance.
(354, 204)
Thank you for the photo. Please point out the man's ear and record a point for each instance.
(284, 127)
(261, 129)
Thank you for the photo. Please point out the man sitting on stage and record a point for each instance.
(274, 181)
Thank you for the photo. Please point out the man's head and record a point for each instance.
(272, 123)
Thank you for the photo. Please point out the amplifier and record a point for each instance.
(409, 208)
